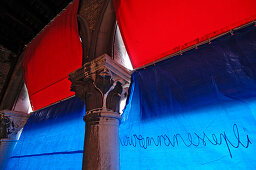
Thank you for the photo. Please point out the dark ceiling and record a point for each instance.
(20, 22)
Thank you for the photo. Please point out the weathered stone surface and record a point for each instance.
(100, 84)
(6, 61)
(91, 11)
(11, 123)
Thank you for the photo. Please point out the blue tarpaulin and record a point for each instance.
(194, 111)
(53, 138)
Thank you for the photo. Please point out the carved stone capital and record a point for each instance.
(11, 124)
(101, 84)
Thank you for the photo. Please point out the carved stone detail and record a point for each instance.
(97, 22)
(101, 84)
(11, 123)
(91, 10)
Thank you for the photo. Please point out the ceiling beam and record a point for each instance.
(19, 11)
(19, 22)
(47, 10)
(10, 33)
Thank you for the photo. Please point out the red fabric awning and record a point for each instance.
(50, 57)
(154, 29)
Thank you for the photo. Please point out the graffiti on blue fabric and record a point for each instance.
(192, 139)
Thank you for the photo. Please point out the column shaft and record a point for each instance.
(101, 150)
(101, 84)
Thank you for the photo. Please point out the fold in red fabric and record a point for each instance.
(50, 57)
(153, 29)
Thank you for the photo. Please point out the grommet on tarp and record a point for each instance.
(209, 41)
(180, 51)
(231, 32)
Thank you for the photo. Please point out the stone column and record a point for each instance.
(101, 84)
(11, 124)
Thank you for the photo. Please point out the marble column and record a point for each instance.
(11, 124)
(101, 84)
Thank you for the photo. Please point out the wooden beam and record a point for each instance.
(19, 22)
(18, 10)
